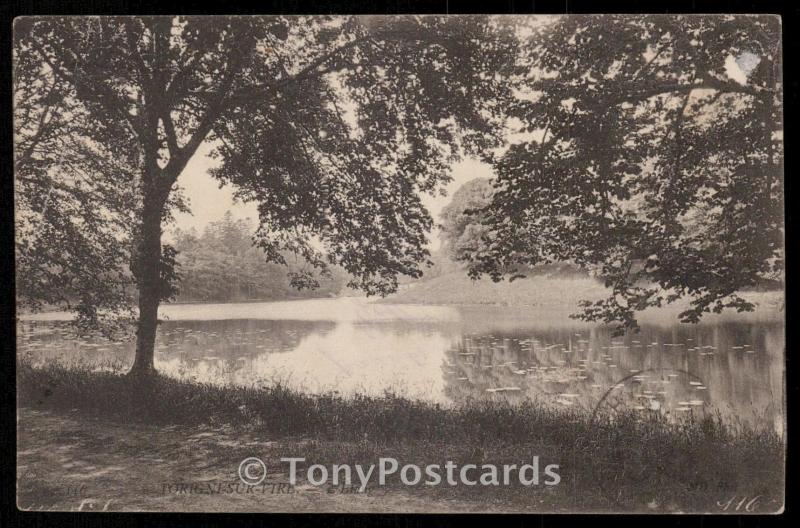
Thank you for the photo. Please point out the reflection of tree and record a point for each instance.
(225, 351)
(215, 346)
(512, 367)
(231, 339)
(672, 371)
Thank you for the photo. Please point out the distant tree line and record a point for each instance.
(221, 265)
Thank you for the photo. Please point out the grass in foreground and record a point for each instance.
(623, 463)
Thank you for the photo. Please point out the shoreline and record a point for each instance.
(767, 302)
(106, 421)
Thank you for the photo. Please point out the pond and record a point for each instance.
(732, 366)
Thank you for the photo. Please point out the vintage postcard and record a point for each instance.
(400, 263)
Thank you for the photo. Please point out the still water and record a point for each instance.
(450, 355)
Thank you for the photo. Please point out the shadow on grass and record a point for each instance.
(624, 462)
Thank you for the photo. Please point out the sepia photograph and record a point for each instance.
(399, 263)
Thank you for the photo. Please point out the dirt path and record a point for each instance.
(66, 464)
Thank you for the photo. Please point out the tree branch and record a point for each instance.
(144, 77)
(215, 107)
(707, 83)
(44, 120)
(169, 129)
(246, 94)
(102, 93)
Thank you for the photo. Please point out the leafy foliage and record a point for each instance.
(643, 160)
(75, 182)
(351, 150)
(334, 125)
(461, 225)
(646, 149)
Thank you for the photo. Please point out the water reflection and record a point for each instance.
(732, 368)
(451, 356)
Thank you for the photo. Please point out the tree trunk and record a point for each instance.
(147, 271)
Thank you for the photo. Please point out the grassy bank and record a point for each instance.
(555, 290)
(626, 462)
(550, 290)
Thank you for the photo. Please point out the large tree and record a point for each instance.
(648, 149)
(334, 125)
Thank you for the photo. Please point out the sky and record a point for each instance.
(208, 202)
